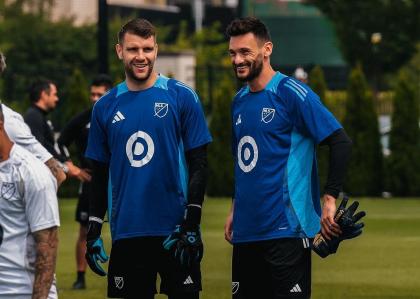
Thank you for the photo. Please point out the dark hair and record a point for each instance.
(140, 27)
(102, 80)
(37, 87)
(248, 24)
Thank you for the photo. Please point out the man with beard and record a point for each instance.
(277, 122)
(148, 137)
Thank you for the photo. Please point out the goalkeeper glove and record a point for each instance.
(185, 242)
(348, 222)
(95, 248)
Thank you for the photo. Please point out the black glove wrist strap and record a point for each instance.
(94, 231)
(192, 216)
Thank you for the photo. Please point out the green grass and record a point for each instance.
(383, 263)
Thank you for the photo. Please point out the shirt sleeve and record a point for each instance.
(97, 148)
(307, 113)
(194, 128)
(20, 133)
(41, 202)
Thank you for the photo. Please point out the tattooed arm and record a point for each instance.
(56, 170)
(46, 241)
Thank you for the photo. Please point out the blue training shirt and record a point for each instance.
(143, 136)
(275, 132)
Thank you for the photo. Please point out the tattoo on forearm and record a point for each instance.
(56, 170)
(46, 253)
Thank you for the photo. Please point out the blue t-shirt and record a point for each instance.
(275, 132)
(143, 136)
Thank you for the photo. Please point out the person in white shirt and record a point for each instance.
(19, 132)
(29, 220)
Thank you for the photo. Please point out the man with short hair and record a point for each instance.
(19, 132)
(151, 134)
(29, 220)
(76, 131)
(276, 123)
(44, 99)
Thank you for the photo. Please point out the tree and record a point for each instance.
(360, 122)
(220, 182)
(404, 161)
(381, 34)
(319, 86)
(34, 46)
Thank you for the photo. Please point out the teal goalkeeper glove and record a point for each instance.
(349, 225)
(186, 244)
(95, 248)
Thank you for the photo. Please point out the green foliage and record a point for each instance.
(398, 22)
(317, 82)
(220, 182)
(77, 98)
(34, 47)
(404, 161)
(360, 122)
(319, 86)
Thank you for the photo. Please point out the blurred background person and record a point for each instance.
(44, 99)
(19, 132)
(301, 75)
(77, 131)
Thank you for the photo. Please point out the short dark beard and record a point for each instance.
(129, 72)
(254, 72)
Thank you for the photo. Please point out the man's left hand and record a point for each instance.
(186, 244)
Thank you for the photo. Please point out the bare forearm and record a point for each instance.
(56, 170)
(46, 253)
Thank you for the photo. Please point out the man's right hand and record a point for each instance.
(228, 227)
(95, 248)
(79, 173)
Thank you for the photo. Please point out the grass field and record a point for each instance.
(383, 263)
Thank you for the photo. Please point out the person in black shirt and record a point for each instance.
(43, 96)
(76, 131)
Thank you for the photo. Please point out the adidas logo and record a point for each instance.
(118, 117)
(188, 280)
(238, 121)
(296, 289)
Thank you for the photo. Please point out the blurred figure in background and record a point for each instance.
(77, 131)
(301, 75)
(19, 132)
(44, 99)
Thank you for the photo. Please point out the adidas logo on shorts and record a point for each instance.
(296, 289)
(188, 280)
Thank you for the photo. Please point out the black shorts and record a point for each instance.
(82, 209)
(135, 263)
(272, 269)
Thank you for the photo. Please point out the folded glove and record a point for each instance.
(95, 248)
(349, 225)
